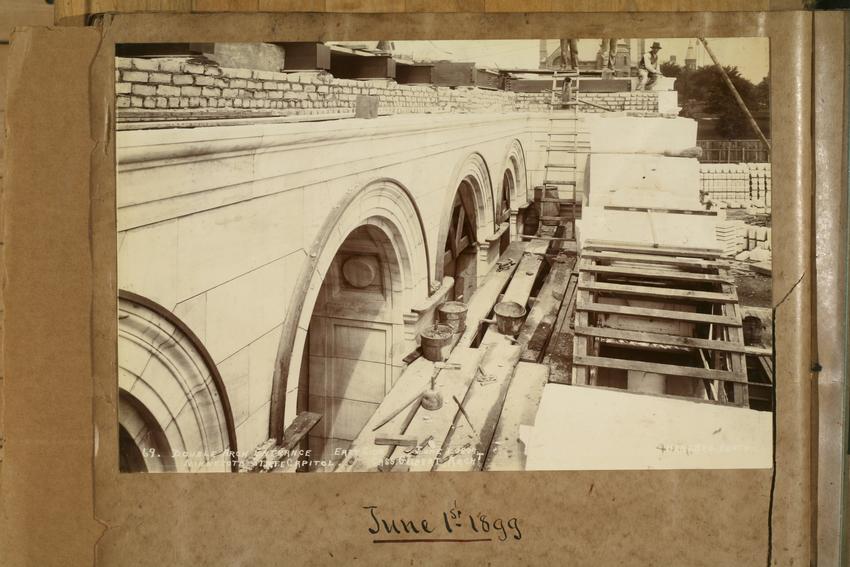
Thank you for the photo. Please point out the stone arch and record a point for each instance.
(173, 404)
(515, 162)
(384, 206)
(515, 175)
(474, 173)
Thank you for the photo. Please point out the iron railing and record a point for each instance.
(733, 151)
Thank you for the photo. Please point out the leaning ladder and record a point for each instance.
(562, 144)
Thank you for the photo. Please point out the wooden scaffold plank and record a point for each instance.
(507, 452)
(705, 253)
(651, 259)
(653, 367)
(538, 326)
(735, 334)
(363, 454)
(487, 294)
(437, 423)
(468, 441)
(659, 338)
(662, 292)
(687, 316)
(659, 274)
(582, 346)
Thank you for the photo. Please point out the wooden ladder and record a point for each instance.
(562, 146)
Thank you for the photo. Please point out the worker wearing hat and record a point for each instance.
(648, 68)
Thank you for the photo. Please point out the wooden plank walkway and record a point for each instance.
(559, 351)
(363, 454)
(507, 452)
(485, 297)
(537, 329)
(468, 442)
(437, 423)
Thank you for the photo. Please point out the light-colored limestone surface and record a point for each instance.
(589, 428)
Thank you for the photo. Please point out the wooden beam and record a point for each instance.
(507, 452)
(397, 440)
(483, 404)
(698, 212)
(362, 455)
(519, 289)
(738, 363)
(666, 369)
(705, 253)
(651, 259)
(279, 458)
(581, 345)
(559, 351)
(663, 292)
(535, 332)
(659, 274)
(487, 294)
(582, 306)
(758, 351)
(538, 245)
(658, 338)
(449, 382)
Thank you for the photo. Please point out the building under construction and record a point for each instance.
(332, 258)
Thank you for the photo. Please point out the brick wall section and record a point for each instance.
(177, 83)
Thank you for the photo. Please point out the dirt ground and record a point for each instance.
(753, 289)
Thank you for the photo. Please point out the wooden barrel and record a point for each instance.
(549, 207)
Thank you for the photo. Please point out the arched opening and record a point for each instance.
(355, 341)
(523, 218)
(130, 457)
(142, 443)
(460, 253)
(503, 208)
(173, 408)
(367, 267)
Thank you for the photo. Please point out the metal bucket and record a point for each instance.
(509, 317)
(436, 342)
(453, 313)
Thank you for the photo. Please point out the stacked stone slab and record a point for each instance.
(145, 86)
(736, 185)
(736, 236)
(731, 236)
(627, 167)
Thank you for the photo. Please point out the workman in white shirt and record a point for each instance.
(648, 68)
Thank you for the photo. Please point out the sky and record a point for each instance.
(750, 55)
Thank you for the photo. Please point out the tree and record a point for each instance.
(762, 93)
(671, 69)
(706, 87)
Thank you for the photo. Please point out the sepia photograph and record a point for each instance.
(466, 255)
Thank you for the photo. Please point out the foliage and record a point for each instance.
(671, 69)
(704, 90)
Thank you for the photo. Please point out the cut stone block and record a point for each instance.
(585, 428)
(628, 134)
(643, 181)
(693, 231)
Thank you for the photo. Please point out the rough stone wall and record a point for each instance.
(179, 83)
